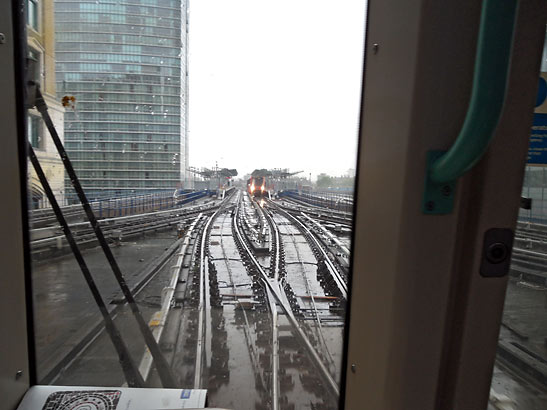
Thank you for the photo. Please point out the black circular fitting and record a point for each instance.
(497, 253)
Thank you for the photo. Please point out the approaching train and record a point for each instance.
(257, 187)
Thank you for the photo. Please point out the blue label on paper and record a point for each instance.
(537, 151)
(185, 394)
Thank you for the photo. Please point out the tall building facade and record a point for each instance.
(125, 63)
(41, 49)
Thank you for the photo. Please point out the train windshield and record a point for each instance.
(221, 270)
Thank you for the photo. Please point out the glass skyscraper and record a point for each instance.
(125, 63)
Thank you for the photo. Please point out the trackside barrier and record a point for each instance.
(320, 199)
(110, 207)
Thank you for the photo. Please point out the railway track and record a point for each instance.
(246, 294)
(271, 319)
(278, 291)
(336, 274)
(49, 241)
(254, 301)
(343, 220)
(61, 362)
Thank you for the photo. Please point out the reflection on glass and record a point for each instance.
(32, 14)
(239, 264)
(520, 374)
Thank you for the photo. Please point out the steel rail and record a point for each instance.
(140, 226)
(312, 298)
(199, 344)
(188, 210)
(324, 213)
(275, 350)
(530, 253)
(204, 297)
(271, 304)
(160, 319)
(251, 342)
(333, 238)
(204, 301)
(275, 290)
(273, 308)
(340, 282)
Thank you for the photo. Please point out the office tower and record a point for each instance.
(124, 61)
(41, 50)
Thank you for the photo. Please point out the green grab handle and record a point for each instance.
(488, 94)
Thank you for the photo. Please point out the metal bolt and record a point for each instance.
(430, 205)
(497, 253)
(353, 368)
(18, 374)
(375, 48)
(2, 38)
(446, 190)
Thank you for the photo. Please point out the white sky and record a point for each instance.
(275, 84)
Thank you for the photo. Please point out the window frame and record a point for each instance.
(33, 14)
(35, 130)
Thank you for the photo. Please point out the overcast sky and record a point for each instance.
(275, 84)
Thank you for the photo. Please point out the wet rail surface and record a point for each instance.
(251, 312)
(64, 310)
(66, 317)
(238, 335)
(250, 297)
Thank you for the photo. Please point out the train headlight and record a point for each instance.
(262, 188)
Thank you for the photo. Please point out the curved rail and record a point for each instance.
(274, 288)
(204, 301)
(168, 293)
(340, 282)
